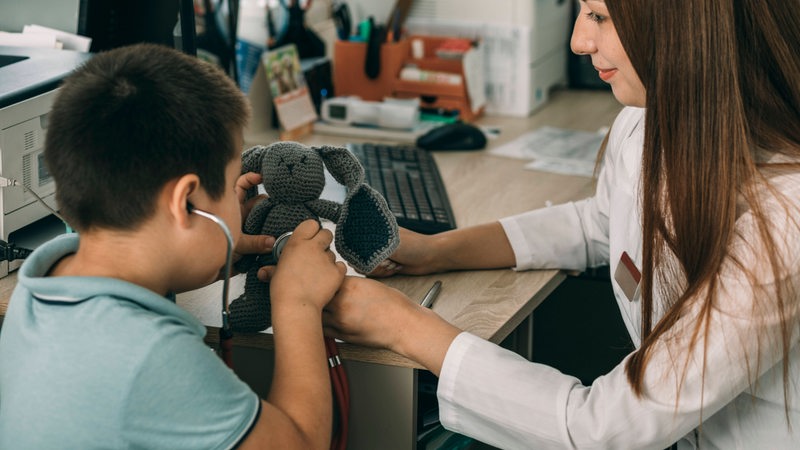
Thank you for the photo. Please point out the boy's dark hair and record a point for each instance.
(130, 120)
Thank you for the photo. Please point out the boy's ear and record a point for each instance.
(180, 194)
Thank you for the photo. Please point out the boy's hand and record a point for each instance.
(307, 272)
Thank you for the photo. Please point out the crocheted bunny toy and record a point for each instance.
(293, 177)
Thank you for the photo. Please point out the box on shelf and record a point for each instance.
(447, 83)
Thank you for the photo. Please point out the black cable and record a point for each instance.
(10, 252)
(233, 23)
(188, 37)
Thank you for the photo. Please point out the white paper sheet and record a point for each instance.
(556, 150)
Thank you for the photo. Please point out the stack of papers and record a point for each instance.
(556, 150)
(44, 37)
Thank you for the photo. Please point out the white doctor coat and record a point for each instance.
(502, 399)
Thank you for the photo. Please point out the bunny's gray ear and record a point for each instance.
(366, 232)
(251, 159)
(343, 165)
(251, 162)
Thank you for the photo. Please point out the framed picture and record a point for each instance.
(288, 88)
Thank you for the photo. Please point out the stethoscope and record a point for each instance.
(341, 388)
(225, 332)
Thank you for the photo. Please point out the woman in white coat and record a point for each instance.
(699, 195)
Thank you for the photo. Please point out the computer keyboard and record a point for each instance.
(409, 180)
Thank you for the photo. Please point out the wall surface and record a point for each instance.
(59, 14)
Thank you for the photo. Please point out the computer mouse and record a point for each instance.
(453, 136)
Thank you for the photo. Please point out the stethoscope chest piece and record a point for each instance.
(272, 258)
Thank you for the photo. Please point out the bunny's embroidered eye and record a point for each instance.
(303, 159)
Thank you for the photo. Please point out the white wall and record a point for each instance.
(59, 14)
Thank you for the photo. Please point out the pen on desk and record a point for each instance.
(433, 292)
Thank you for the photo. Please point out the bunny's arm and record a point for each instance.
(254, 223)
(325, 209)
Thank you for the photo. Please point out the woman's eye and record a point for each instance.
(594, 17)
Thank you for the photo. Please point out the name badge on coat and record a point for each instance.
(628, 276)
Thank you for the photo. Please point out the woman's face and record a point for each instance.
(595, 35)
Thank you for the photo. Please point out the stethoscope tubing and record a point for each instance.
(225, 332)
(338, 375)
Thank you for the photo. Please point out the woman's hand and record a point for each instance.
(478, 247)
(414, 256)
(367, 312)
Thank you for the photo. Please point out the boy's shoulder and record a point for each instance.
(121, 358)
(88, 295)
(103, 310)
(88, 317)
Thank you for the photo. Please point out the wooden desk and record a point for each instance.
(482, 187)
(488, 303)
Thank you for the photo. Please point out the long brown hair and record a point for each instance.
(723, 90)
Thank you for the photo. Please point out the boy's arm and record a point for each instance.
(298, 411)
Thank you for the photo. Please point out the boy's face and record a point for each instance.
(230, 207)
(206, 260)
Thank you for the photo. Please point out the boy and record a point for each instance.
(92, 354)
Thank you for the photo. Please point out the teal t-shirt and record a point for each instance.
(101, 363)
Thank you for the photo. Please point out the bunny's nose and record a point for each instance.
(290, 167)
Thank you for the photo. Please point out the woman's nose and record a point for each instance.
(582, 41)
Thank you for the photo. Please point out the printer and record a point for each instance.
(29, 80)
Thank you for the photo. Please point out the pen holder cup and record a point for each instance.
(350, 78)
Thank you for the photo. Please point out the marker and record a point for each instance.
(433, 292)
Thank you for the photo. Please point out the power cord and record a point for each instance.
(10, 252)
